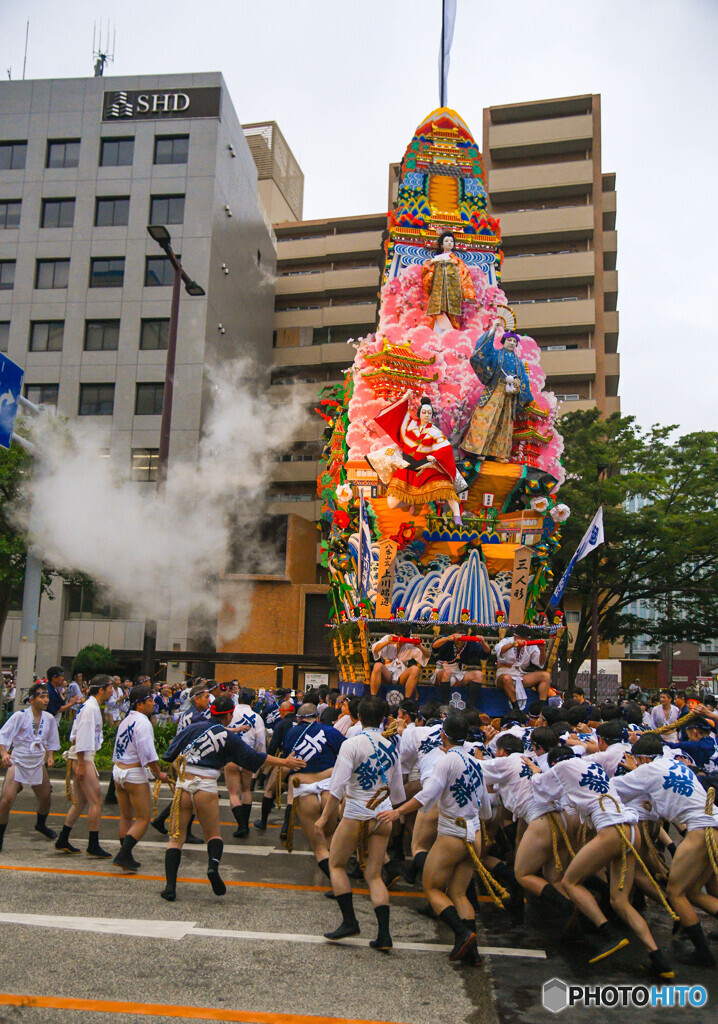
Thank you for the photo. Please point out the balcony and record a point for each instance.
(573, 364)
(612, 369)
(295, 472)
(536, 181)
(608, 205)
(610, 331)
(549, 269)
(326, 316)
(610, 247)
(552, 224)
(542, 318)
(310, 510)
(340, 354)
(610, 290)
(582, 405)
(536, 138)
(329, 282)
(325, 246)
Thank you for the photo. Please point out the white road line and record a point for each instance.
(175, 930)
(250, 851)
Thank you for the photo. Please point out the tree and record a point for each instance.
(660, 506)
(94, 659)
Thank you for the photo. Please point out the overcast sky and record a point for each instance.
(348, 81)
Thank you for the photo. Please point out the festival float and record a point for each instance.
(442, 460)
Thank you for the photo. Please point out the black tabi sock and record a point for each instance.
(515, 705)
(246, 812)
(164, 815)
(172, 863)
(697, 936)
(2, 833)
(237, 814)
(445, 693)
(450, 917)
(323, 866)
(418, 863)
(214, 850)
(504, 873)
(267, 804)
(128, 845)
(382, 919)
(472, 895)
(287, 812)
(345, 902)
(64, 835)
(93, 842)
(41, 820)
(672, 849)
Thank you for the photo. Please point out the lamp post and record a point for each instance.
(161, 235)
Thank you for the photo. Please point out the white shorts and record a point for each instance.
(198, 784)
(312, 788)
(135, 776)
(357, 810)
(28, 775)
(456, 675)
(448, 827)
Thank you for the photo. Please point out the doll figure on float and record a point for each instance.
(419, 467)
(447, 282)
(507, 391)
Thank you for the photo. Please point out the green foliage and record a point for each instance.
(94, 659)
(660, 522)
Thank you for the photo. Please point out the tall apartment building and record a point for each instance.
(85, 166)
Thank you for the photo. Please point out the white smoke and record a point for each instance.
(149, 550)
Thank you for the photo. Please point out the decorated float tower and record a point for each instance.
(439, 491)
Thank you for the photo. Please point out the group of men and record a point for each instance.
(588, 811)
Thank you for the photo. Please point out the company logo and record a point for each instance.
(557, 995)
(119, 105)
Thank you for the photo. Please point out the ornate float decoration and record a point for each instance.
(441, 448)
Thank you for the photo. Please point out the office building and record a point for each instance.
(85, 166)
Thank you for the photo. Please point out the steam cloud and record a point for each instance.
(158, 553)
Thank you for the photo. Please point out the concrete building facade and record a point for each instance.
(85, 166)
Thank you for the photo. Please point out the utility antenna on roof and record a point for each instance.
(102, 54)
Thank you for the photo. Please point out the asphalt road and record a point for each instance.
(83, 943)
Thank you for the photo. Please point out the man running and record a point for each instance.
(205, 749)
(136, 762)
(32, 736)
(85, 741)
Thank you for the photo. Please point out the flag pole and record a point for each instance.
(594, 632)
(442, 79)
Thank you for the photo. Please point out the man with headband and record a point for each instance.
(205, 748)
(32, 736)
(85, 741)
(200, 700)
(456, 786)
(136, 761)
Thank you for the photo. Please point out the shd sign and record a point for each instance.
(144, 105)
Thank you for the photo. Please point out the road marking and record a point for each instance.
(177, 930)
(116, 817)
(96, 1006)
(250, 851)
(287, 886)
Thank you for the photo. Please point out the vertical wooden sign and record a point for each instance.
(519, 584)
(385, 578)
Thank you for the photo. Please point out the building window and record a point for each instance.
(10, 213)
(52, 273)
(144, 464)
(159, 271)
(46, 335)
(171, 149)
(112, 212)
(42, 394)
(7, 275)
(102, 335)
(96, 399)
(573, 617)
(4, 335)
(154, 334)
(148, 399)
(57, 213)
(167, 210)
(12, 156)
(117, 152)
(107, 272)
(63, 153)
(89, 603)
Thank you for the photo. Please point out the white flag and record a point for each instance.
(589, 542)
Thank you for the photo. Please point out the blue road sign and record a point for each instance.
(10, 388)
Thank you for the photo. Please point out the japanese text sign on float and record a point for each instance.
(10, 388)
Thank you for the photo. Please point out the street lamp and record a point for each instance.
(160, 234)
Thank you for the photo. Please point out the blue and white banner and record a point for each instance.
(590, 541)
(364, 560)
